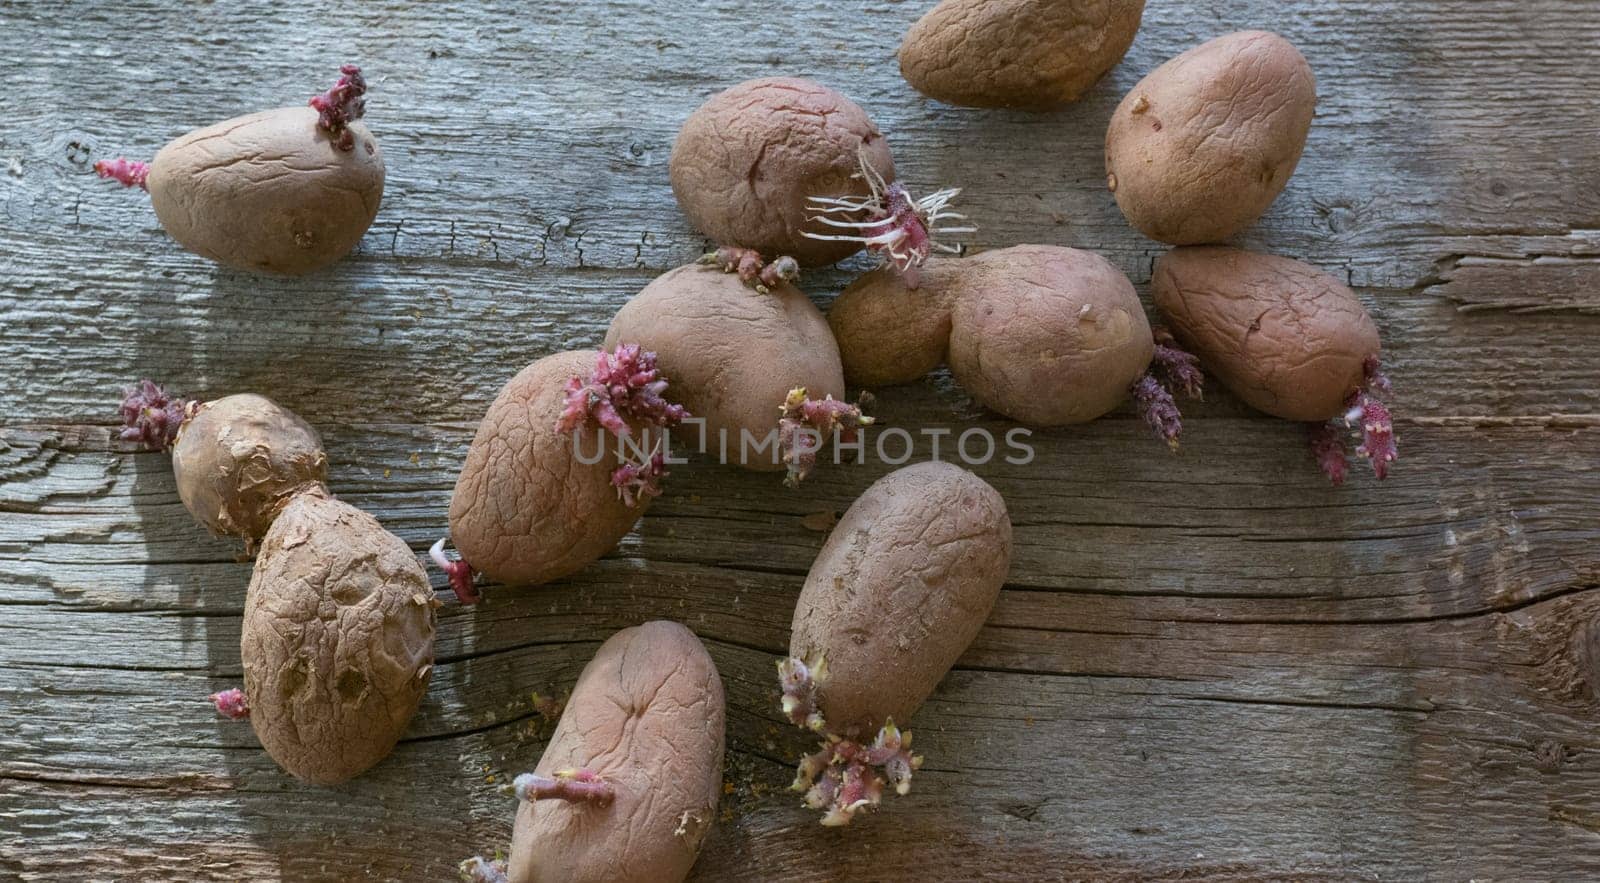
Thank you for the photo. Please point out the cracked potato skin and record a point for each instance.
(1027, 54)
(1285, 337)
(1204, 144)
(647, 715)
(747, 160)
(1047, 335)
(889, 334)
(731, 353)
(526, 510)
(238, 459)
(898, 592)
(268, 191)
(338, 639)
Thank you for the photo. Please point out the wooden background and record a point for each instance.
(1209, 666)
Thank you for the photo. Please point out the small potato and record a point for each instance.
(747, 161)
(733, 354)
(240, 458)
(1203, 144)
(1047, 335)
(1287, 338)
(890, 334)
(338, 639)
(1030, 54)
(526, 510)
(646, 722)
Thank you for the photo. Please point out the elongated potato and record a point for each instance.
(338, 639)
(647, 720)
(1203, 144)
(1031, 54)
(890, 334)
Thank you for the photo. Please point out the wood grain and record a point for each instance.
(1204, 667)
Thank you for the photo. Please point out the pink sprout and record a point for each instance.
(752, 269)
(640, 481)
(231, 704)
(127, 172)
(1327, 446)
(1372, 424)
(1376, 426)
(806, 423)
(844, 777)
(459, 573)
(342, 105)
(580, 785)
(624, 385)
(481, 870)
(152, 417)
(800, 691)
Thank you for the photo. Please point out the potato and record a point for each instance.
(338, 639)
(526, 510)
(240, 458)
(1203, 144)
(1287, 338)
(732, 353)
(647, 718)
(1032, 54)
(889, 333)
(747, 161)
(1047, 335)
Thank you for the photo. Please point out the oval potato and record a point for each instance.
(238, 459)
(1284, 336)
(1030, 54)
(647, 715)
(1203, 144)
(889, 334)
(901, 587)
(268, 191)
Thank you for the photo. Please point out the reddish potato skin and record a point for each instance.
(748, 159)
(268, 191)
(889, 334)
(525, 510)
(899, 590)
(338, 639)
(1205, 143)
(647, 715)
(238, 459)
(1029, 54)
(1285, 337)
(731, 353)
(1046, 335)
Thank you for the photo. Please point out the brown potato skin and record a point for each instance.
(748, 159)
(889, 334)
(647, 715)
(238, 459)
(1204, 144)
(1284, 336)
(338, 639)
(1046, 335)
(899, 590)
(1027, 54)
(526, 510)
(268, 191)
(731, 353)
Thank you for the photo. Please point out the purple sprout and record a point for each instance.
(1177, 368)
(761, 275)
(624, 385)
(579, 786)
(342, 105)
(636, 482)
(152, 417)
(1372, 422)
(1171, 369)
(1158, 409)
(127, 172)
(1327, 446)
(481, 870)
(231, 704)
(806, 422)
(459, 572)
(845, 777)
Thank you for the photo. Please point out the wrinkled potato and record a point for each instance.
(733, 354)
(901, 587)
(268, 191)
(646, 716)
(1204, 144)
(338, 639)
(890, 334)
(1047, 335)
(1031, 54)
(526, 510)
(747, 160)
(1287, 338)
(238, 459)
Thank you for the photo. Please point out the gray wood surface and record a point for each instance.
(1209, 666)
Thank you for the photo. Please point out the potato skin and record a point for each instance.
(899, 590)
(731, 353)
(1029, 54)
(268, 191)
(1284, 336)
(239, 458)
(338, 639)
(1047, 335)
(889, 334)
(1204, 144)
(647, 715)
(526, 510)
(748, 159)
